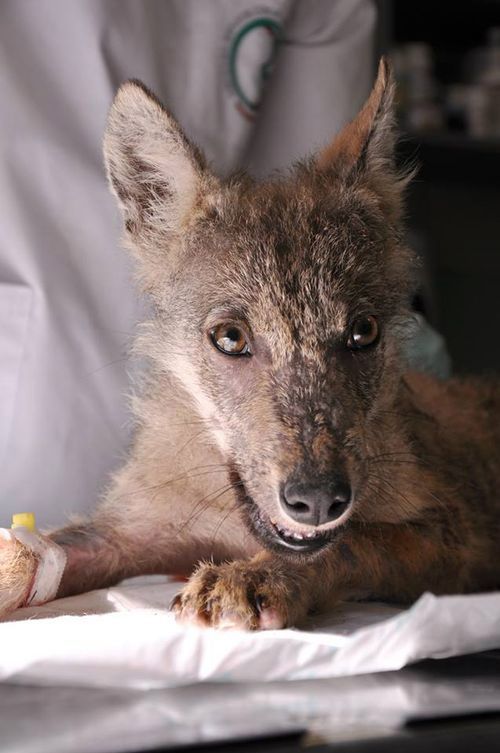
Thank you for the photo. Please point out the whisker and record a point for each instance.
(191, 439)
(410, 456)
(224, 518)
(209, 499)
(411, 506)
(392, 453)
(215, 468)
(188, 477)
(383, 461)
(404, 414)
(191, 423)
(106, 365)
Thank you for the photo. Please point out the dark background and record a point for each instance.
(454, 203)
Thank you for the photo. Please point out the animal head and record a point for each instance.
(276, 305)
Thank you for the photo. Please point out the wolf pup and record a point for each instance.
(283, 458)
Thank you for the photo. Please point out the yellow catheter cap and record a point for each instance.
(26, 519)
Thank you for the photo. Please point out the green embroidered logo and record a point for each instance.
(251, 58)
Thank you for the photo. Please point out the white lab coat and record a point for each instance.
(67, 306)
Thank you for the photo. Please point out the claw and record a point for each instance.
(176, 603)
(271, 619)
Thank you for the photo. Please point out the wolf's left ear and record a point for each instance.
(153, 170)
(366, 146)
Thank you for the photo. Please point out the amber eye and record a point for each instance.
(364, 332)
(230, 340)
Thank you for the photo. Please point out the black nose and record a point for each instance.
(315, 504)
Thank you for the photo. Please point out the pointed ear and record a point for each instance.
(364, 150)
(368, 140)
(153, 170)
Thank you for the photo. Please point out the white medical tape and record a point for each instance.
(51, 564)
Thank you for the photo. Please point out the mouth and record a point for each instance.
(298, 542)
(271, 534)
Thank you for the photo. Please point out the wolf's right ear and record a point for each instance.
(365, 147)
(367, 142)
(153, 170)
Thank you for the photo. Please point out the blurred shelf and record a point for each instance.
(452, 158)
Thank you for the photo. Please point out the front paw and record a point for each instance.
(246, 595)
(17, 569)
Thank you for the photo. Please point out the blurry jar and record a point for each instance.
(418, 92)
(468, 109)
(483, 95)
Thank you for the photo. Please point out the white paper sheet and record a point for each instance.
(125, 637)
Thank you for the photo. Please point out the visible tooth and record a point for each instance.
(297, 536)
(310, 535)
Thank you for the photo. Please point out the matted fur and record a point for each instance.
(292, 262)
